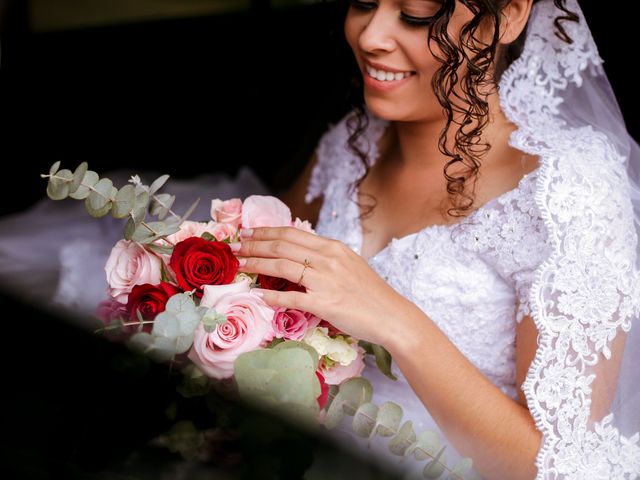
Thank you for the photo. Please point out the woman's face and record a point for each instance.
(389, 39)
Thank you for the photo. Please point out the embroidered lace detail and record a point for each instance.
(586, 292)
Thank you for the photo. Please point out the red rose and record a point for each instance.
(276, 283)
(324, 391)
(198, 262)
(149, 300)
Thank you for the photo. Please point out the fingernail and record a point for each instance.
(242, 261)
(235, 246)
(246, 232)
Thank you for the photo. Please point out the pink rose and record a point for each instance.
(339, 373)
(228, 211)
(247, 328)
(190, 229)
(265, 211)
(293, 324)
(223, 231)
(213, 293)
(305, 225)
(130, 264)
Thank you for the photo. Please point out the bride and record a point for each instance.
(475, 219)
(477, 216)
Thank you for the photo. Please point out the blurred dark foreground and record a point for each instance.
(76, 406)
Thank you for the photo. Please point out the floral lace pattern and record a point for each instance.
(587, 291)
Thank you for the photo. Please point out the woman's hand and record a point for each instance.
(341, 287)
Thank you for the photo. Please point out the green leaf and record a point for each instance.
(355, 392)
(54, 168)
(366, 346)
(161, 205)
(189, 211)
(166, 324)
(141, 341)
(211, 319)
(403, 439)
(461, 468)
(335, 413)
(294, 344)
(208, 237)
(183, 438)
(388, 421)
(89, 181)
(383, 360)
(58, 187)
(435, 468)
(163, 349)
(253, 360)
(158, 184)
(364, 420)
(427, 445)
(98, 203)
(180, 302)
(124, 202)
(295, 385)
(78, 176)
(162, 250)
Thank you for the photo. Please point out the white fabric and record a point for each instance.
(563, 244)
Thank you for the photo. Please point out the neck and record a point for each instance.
(415, 144)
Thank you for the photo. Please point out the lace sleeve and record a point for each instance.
(583, 301)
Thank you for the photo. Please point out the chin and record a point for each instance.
(385, 110)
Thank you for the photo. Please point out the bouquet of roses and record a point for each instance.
(182, 295)
(175, 292)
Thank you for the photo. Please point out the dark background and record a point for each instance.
(193, 95)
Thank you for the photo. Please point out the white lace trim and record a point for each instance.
(588, 289)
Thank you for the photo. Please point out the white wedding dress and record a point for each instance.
(468, 277)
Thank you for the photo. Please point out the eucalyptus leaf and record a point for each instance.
(302, 415)
(389, 417)
(436, 467)
(166, 325)
(335, 413)
(427, 445)
(355, 392)
(78, 176)
(180, 302)
(405, 437)
(433, 469)
(184, 343)
(212, 319)
(285, 358)
(158, 184)
(461, 468)
(140, 208)
(383, 360)
(141, 341)
(162, 250)
(54, 168)
(190, 211)
(161, 205)
(293, 385)
(253, 360)
(163, 349)
(58, 187)
(98, 203)
(294, 344)
(88, 182)
(188, 321)
(124, 202)
(364, 420)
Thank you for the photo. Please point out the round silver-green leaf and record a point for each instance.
(355, 392)
(405, 437)
(124, 202)
(364, 420)
(58, 187)
(84, 189)
(54, 168)
(78, 176)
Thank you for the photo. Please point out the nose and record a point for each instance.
(378, 34)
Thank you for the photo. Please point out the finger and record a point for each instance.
(289, 234)
(277, 249)
(292, 300)
(279, 267)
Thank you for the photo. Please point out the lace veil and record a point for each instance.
(583, 386)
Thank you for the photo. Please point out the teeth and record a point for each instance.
(383, 76)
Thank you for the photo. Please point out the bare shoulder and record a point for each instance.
(294, 197)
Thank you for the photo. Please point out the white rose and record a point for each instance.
(337, 349)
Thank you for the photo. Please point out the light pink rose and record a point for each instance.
(130, 264)
(265, 211)
(190, 229)
(339, 373)
(223, 231)
(247, 328)
(305, 225)
(228, 211)
(213, 293)
(293, 324)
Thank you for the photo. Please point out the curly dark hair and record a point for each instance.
(466, 111)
